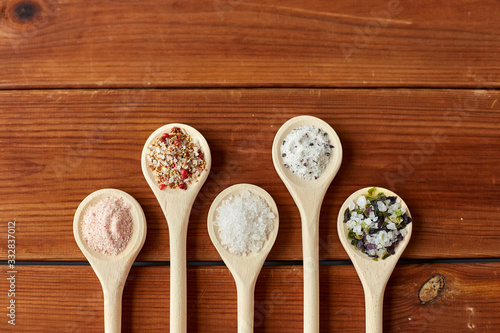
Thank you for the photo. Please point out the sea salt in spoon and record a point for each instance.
(374, 275)
(112, 270)
(176, 205)
(308, 196)
(245, 269)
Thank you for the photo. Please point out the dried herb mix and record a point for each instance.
(376, 224)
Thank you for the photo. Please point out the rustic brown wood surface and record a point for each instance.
(60, 43)
(437, 149)
(69, 299)
(84, 83)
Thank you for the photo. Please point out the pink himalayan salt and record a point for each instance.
(107, 226)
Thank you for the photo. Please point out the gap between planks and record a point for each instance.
(267, 263)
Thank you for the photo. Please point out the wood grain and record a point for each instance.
(224, 43)
(437, 149)
(69, 299)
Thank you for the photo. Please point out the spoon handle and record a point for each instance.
(113, 310)
(310, 250)
(245, 293)
(374, 303)
(178, 303)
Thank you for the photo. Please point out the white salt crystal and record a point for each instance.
(244, 222)
(306, 152)
(381, 206)
(361, 202)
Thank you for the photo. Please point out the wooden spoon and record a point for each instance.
(374, 275)
(176, 205)
(112, 270)
(245, 269)
(308, 196)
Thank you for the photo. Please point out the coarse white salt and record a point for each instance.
(107, 226)
(244, 222)
(306, 152)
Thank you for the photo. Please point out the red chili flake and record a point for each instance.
(200, 156)
(165, 136)
(164, 179)
(184, 172)
(182, 186)
(162, 186)
(162, 139)
(173, 165)
(176, 142)
(183, 177)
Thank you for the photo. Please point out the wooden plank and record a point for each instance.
(437, 149)
(249, 43)
(69, 299)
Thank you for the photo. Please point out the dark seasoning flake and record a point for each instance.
(175, 160)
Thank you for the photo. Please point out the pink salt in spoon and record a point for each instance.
(176, 205)
(374, 275)
(112, 270)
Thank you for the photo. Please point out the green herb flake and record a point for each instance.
(385, 256)
(398, 212)
(370, 191)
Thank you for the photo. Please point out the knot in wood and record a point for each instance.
(431, 289)
(24, 12)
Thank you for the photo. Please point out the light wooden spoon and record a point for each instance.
(176, 205)
(374, 275)
(308, 196)
(245, 269)
(111, 270)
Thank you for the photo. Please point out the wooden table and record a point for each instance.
(410, 87)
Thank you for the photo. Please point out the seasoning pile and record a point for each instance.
(175, 159)
(107, 226)
(306, 152)
(244, 222)
(376, 224)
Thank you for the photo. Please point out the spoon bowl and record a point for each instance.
(244, 268)
(169, 195)
(374, 275)
(176, 205)
(294, 183)
(112, 270)
(308, 196)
